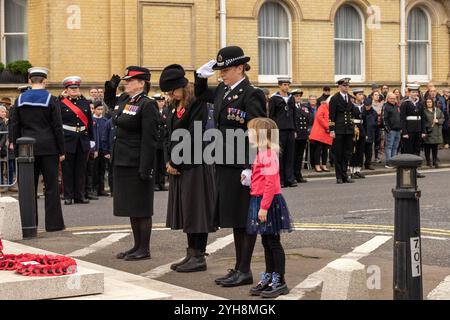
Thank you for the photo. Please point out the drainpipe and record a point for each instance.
(223, 23)
(403, 45)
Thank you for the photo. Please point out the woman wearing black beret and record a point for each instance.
(191, 182)
(134, 148)
(236, 102)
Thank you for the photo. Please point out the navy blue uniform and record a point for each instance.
(304, 119)
(100, 163)
(37, 114)
(359, 140)
(412, 118)
(77, 144)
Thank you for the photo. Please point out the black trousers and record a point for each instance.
(342, 148)
(244, 244)
(48, 166)
(412, 144)
(110, 176)
(431, 148)
(197, 241)
(74, 174)
(358, 152)
(368, 153)
(274, 254)
(320, 154)
(300, 147)
(287, 154)
(99, 173)
(89, 176)
(446, 135)
(160, 168)
(378, 134)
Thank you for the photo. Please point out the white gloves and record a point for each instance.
(247, 174)
(92, 144)
(206, 71)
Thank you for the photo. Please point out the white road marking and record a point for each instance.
(442, 291)
(105, 242)
(369, 210)
(212, 248)
(113, 231)
(315, 279)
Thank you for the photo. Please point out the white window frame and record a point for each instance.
(424, 78)
(271, 79)
(3, 34)
(362, 76)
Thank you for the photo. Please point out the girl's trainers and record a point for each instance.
(262, 285)
(276, 288)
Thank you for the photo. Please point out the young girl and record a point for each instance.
(268, 213)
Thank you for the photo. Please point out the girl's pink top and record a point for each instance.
(266, 177)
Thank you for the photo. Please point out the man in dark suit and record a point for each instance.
(37, 114)
(342, 130)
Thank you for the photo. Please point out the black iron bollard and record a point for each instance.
(27, 194)
(407, 245)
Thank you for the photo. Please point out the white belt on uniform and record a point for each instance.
(357, 121)
(74, 129)
(413, 118)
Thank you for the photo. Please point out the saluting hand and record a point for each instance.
(115, 81)
(206, 71)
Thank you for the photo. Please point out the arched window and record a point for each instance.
(349, 43)
(419, 45)
(13, 29)
(274, 38)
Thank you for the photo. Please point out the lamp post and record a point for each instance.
(27, 194)
(407, 238)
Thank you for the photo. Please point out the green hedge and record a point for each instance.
(20, 66)
(2, 67)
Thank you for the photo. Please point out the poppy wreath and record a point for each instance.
(37, 265)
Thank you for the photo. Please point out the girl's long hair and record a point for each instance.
(266, 132)
(188, 97)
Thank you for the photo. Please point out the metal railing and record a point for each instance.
(6, 180)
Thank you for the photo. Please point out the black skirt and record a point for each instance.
(233, 199)
(191, 200)
(133, 197)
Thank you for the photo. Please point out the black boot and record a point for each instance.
(196, 263)
(189, 252)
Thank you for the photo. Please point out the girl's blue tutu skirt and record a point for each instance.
(278, 217)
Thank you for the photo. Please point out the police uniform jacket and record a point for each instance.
(412, 117)
(69, 118)
(37, 114)
(161, 132)
(135, 133)
(304, 119)
(341, 115)
(283, 113)
(244, 98)
(195, 114)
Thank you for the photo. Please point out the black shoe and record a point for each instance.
(293, 184)
(68, 202)
(138, 256)
(91, 196)
(348, 180)
(354, 176)
(360, 175)
(103, 194)
(276, 288)
(262, 285)
(238, 279)
(230, 273)
(81, 201)
(420, 175)
(370, 167)
(186, 259)
(157, 188)
(163, 188)
(196, 263)
(302, 180)
(339, 181)
(56, 229)
(436, 165)
(123, 255)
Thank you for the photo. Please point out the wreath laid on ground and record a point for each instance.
(37, 265)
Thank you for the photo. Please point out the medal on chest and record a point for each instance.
(131, 110)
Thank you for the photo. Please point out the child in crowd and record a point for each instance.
(100, 161)
(268, 212)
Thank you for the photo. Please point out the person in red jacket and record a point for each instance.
(268, 213)
(320, 137)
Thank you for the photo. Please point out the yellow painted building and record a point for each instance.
(313, 41)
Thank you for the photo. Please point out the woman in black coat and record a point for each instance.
(191, 181)
(134, 120)
(236, 102)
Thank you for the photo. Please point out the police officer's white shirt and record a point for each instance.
(345, 96)
(236, 84)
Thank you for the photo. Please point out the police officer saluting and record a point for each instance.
(236, 102)
(37, 114)
(359, 138)
(78, 140)
(282, 111)
(342, 130)
(412, 118)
